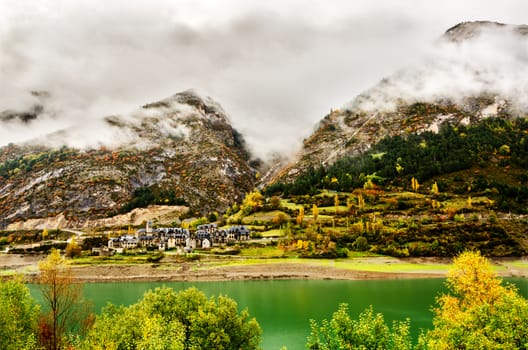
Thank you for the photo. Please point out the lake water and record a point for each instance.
(284, 308)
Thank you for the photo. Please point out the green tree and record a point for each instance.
(165, 319)
(18, 316)
(369, 331)
(479, 312)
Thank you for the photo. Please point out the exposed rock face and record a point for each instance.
(456, 83)
(183, 144)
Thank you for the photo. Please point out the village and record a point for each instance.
(181, 239)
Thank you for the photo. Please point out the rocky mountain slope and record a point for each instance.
(180, 150)
(453, 83)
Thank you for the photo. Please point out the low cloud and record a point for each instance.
(488, 59)
(275, 68)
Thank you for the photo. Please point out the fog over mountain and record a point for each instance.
(276, 67)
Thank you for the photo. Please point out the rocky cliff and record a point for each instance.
(180, 150)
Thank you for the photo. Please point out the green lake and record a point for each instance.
(284, 308)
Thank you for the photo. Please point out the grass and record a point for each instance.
(518, 264)
(331, 210)
(263, 216)
(348, 264)
(114, 259)
(264, 252)
(289, 205)
(393, 267)
(272, 233)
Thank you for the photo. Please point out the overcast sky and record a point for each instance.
(276, 66)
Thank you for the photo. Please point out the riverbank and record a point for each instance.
(171, 269)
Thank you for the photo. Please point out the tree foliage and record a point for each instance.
(65, 311)
(252, 202)
(165, 319)
(480, 312)
(73, 249)
(18, 316)
(369, 331)
(154, 194)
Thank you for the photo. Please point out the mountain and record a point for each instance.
(474, 71)
(181, 150)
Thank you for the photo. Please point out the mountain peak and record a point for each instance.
(471, 29)
(181, 149)
(478, 72)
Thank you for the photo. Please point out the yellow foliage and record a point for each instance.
(315, 212)
(300, 216)
(415, 185)
(434, 188)
(299, 244)
(480, 312)
(45, 234)
(252, 202)
(361, 202)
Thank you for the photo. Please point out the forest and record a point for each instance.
(485, 150)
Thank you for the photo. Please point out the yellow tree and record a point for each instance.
(434, 188)
(252, 202)
(62, 297)
(480, 312)
(361, 202)
(336, 203)
(72, 249)
(300, 216)
(45, 234)
(415, 185)
(315, 212)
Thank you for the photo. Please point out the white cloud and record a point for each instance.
(276, 66)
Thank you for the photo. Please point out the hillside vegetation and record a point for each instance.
(431, 194)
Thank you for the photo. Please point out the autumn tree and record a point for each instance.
(434, 188)
(315, 212)
(479, 312)
(279, 219)
(18, 316)
(415, 185)
(73, 249)
(336, 203)
(300, 216)
(361, 202)
(63, 305)
(275, 202)
(45, 234)
(252, 202)
(165, 319)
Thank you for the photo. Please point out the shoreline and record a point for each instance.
(170, 270)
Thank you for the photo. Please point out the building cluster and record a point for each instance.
(205, 236)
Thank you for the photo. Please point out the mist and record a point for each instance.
(275, 67)
(493, 61)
